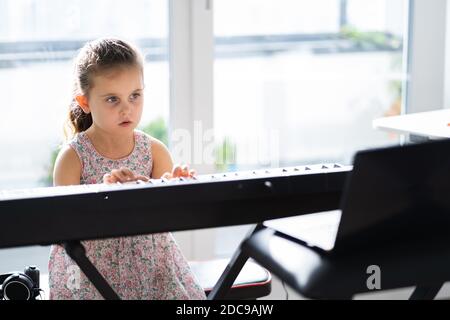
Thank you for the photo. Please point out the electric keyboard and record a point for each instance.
(43, 216)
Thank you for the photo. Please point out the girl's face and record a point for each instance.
(116, 99)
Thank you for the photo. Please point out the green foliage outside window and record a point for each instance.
(379, 40)
(226, 155)
(157, 129)
(47, 181)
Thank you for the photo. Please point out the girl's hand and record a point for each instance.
(179, 171)
(122, 175)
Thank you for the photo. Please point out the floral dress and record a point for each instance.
(139, 267)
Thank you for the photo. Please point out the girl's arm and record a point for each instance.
(67, 168)
(162, 160)
(163, 164)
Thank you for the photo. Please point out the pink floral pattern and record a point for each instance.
(140, 267)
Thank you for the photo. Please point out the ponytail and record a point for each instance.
(77, 121)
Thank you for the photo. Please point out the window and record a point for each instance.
(299, 82)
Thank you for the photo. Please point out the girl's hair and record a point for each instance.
(94, 58)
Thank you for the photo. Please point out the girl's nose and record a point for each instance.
(126, 107)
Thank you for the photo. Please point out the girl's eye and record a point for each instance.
(134, 96)
(111, 99)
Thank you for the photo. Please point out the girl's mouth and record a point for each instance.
(125, 123)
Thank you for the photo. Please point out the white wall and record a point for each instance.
(427, 56)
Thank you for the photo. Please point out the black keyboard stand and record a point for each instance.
(426, 292)
(78, 253)
(317, 275)
(232, 270)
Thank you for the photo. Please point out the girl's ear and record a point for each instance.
(83, 103)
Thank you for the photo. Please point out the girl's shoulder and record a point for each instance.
(78, 147)
(155, 144)
(67, 153)
(144, 140)
(78, 141)
(161, 158)
(142, 135)
(152, 141)
(68, 166)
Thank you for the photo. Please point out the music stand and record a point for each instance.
(395, 217)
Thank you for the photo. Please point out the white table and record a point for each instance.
(426, 125)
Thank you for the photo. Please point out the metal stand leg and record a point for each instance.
(231, 272)
(78, 253)
(426, 292)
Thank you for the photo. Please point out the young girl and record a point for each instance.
(106, 108)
